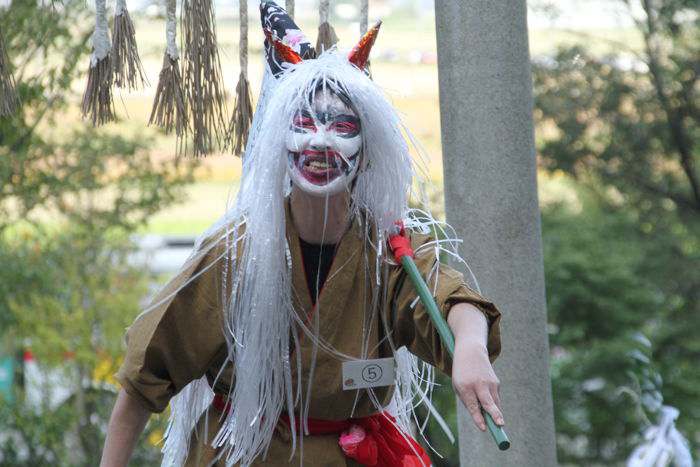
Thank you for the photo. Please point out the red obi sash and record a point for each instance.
(373, 441)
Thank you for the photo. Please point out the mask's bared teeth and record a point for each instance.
(319, 164)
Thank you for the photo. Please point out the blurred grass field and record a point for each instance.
(404, 65)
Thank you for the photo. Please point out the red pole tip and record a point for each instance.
(400, 243)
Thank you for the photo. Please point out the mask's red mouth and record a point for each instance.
(318, 167)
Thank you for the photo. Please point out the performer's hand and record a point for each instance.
(473, 377)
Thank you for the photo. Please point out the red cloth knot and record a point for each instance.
(400, 243)
(377, 441)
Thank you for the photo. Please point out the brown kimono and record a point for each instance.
(181, 339)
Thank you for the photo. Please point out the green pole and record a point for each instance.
(497, 432)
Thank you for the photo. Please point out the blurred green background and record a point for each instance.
(616, 116)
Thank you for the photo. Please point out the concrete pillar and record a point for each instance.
(491, 200)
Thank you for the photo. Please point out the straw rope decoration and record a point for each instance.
(169, 106)
(364, 25)
(202, 77)
(9, 100)
(243, 110)
(128, 71)
(97, 102)
(289, 6)
(327, 37)
(364, 16)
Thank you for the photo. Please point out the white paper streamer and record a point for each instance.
(186, 409)
(663, 444)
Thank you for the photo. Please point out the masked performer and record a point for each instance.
(247, 343)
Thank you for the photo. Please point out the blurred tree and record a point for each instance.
(625, 126)
(74, 325)
(69, 198)
(599, 304)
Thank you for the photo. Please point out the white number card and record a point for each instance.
(360, 374)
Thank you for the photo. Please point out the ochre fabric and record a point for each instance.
(181, 339)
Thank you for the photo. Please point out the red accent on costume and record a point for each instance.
(374, 441)
(359, 55)
(221, 403)
(285, 52)
(400, 244)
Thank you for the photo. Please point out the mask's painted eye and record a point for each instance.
(344, 127)
(304, 122)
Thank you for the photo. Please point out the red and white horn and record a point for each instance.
(359, 55)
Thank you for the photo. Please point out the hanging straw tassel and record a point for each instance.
(243, 110)
(97, 100)
(169, 106)
(202, 78)
(289, 6)
(128, 72)
(9, 100)
(242, 116)
(327, 37)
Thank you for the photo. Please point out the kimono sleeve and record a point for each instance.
(179, 336)
(412, 325)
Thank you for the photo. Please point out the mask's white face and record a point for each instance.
(324, 144)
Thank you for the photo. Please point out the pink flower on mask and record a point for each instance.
(292, 38)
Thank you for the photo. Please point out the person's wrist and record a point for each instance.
(470, 346)
(468, 323)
